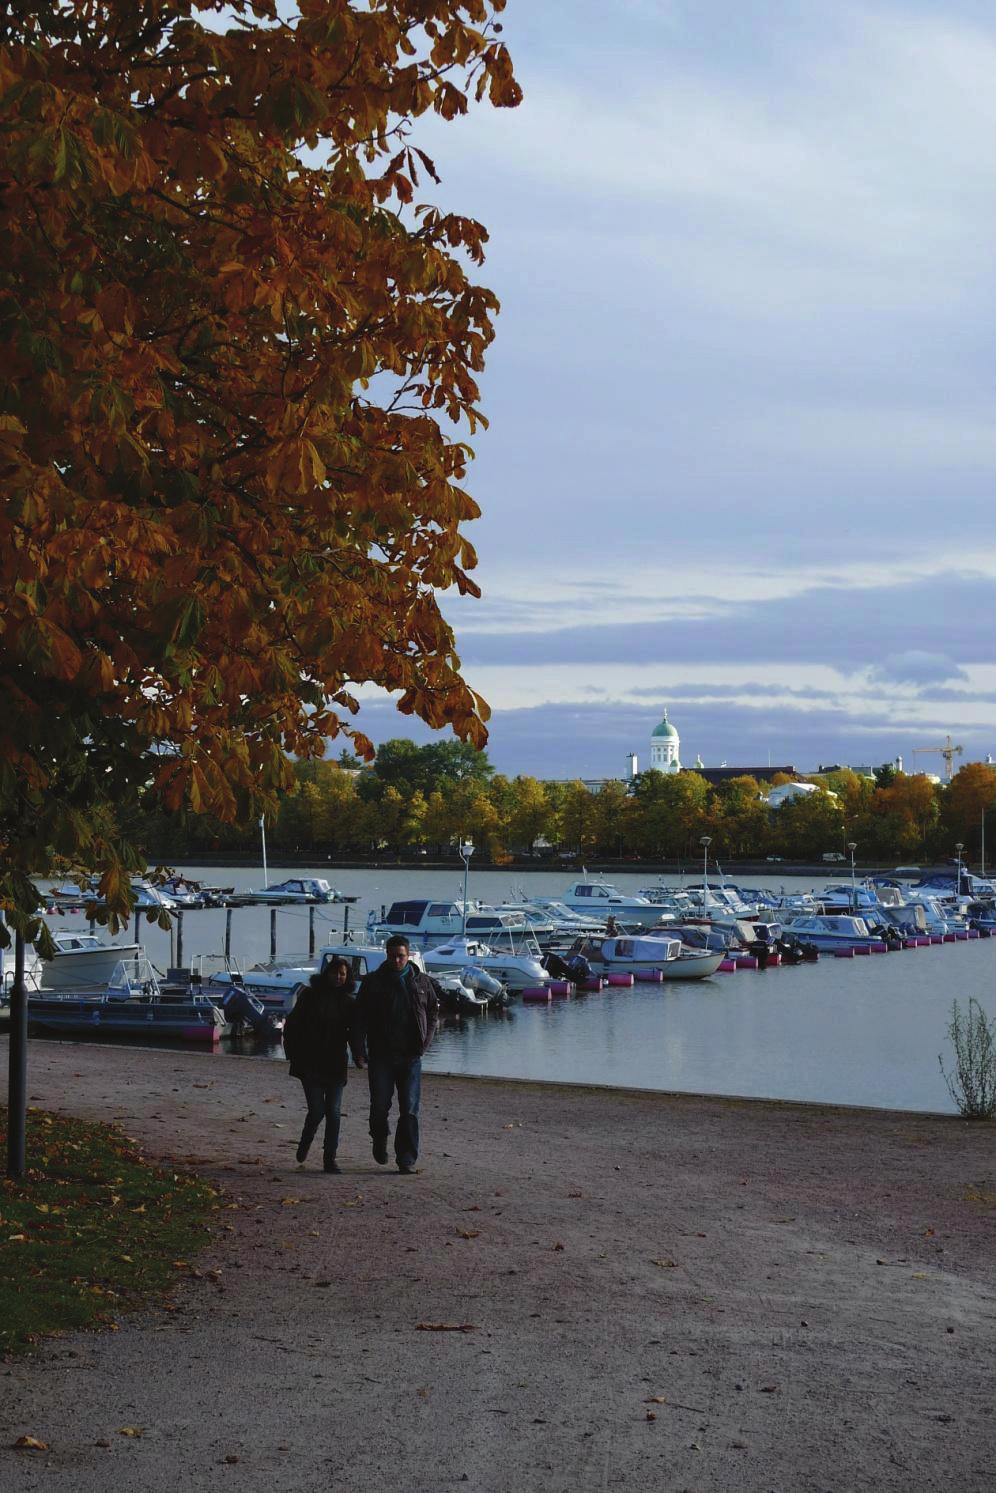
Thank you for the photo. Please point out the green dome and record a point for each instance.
(665, 728)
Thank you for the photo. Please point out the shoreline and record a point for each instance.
(624, 1289)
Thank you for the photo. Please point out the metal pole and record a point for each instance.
(345, 924)
(311, 930)
(982, 868)
(262, 831)
(179, 940)
(273, 934)
(228, 934)
(138, 919)
(17, 1080)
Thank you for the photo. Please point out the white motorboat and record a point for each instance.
(419, 919)
(81, 961)
(634, 955)
(831, 930)
(298, 889)
(517, 966)
(602, 900)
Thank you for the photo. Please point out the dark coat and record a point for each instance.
(318, 1032)
(376, 1011)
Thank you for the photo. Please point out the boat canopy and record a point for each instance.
(653, 950)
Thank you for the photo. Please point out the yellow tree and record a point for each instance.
(228, 336)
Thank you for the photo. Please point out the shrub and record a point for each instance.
(972, 1085)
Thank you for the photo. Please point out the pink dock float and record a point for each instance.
(973, 932)
(746, 961)
(561, 989)
(961, 935)
(879, 948)
(537, 994)
(728, 967)
(950, 937)
(649, 977)
(774, 960)
(862, 948)
(843, 953)
(593, 982)
(623, 980)
(936, 938)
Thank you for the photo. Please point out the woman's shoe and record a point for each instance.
(333, 1166)
(302, 1153)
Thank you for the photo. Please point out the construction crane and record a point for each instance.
(949, 752)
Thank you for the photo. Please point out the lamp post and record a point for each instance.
(466, 851)
(705, 842)
(959, 846)
(982, 857)
(852, 846)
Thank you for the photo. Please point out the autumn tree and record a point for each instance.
(228, 338)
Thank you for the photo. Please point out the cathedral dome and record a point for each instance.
(665, 728)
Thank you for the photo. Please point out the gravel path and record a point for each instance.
(651, 1292)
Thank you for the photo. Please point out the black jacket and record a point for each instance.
(317, 1033)
(376, 1013)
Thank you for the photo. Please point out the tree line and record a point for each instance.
(416, 799)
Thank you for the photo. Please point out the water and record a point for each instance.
(863, 1031)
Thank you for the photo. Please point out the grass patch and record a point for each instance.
(92, 1231)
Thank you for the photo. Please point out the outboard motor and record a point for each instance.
(243, 1010)
(577, 967)
(478, 979)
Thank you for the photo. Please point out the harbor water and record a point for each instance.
(863, 1031)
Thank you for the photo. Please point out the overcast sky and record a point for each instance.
(743, 442)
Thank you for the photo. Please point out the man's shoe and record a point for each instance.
(302, 1153)
(380, 1151)
(405, 1169)
(333, 1166)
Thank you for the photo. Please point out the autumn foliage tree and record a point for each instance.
(228, 338)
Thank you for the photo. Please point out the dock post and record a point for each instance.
(228, 934)
(138, 919)
(17, 1070)
(273, 934)
(179, 940)
(311, 930)
(345, 924)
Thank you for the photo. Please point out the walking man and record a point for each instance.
(396, 1017)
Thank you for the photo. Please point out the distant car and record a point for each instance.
(777, 859)
(908, 870)
(833, 855)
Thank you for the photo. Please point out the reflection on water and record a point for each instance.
(865, 1031)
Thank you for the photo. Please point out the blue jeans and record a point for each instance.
(324, 1102)
(405, 1075)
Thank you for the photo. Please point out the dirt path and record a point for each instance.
(658, 1293)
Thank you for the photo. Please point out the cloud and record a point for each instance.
(916, 666)
(849, 628)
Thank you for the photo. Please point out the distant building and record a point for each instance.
(723, 774)
(664, 747)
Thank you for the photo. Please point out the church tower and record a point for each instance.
(664, 745)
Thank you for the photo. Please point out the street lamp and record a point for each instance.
(705, 842)
(466, 851)
(852, 846)
(959, 846)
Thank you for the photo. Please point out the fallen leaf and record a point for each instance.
(469, 1233)
(556, 1246)
(30, 1444)
(665, 1264)
(131, 1431)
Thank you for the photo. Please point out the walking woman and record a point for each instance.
(316, 1035)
